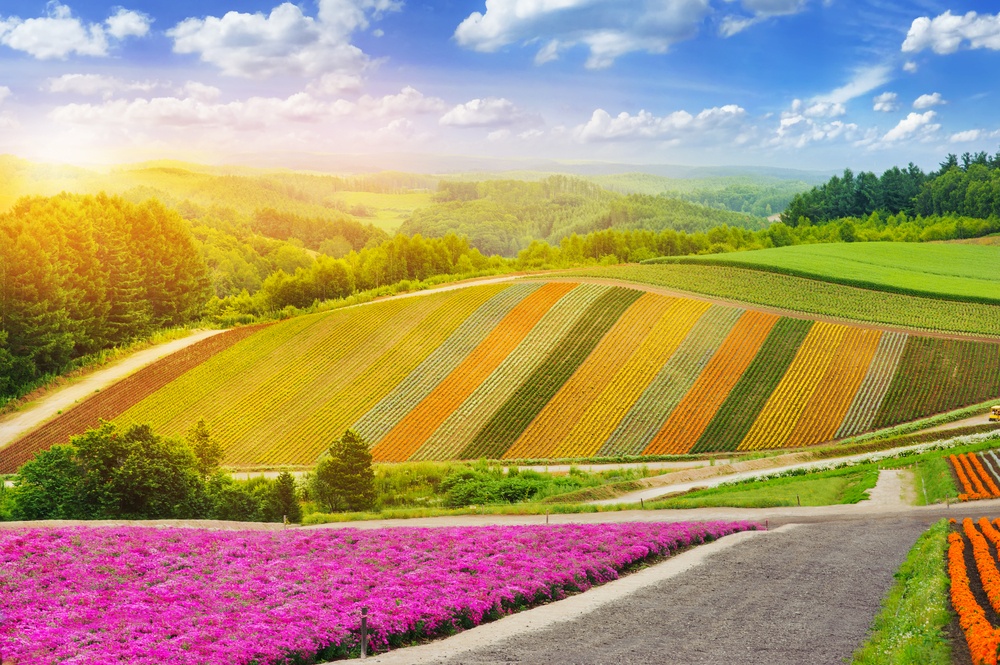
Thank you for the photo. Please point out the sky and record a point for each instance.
(807, 84)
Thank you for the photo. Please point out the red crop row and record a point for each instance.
(117, 398)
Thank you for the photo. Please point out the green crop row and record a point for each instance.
(511, 419)
(747, 399)
(812, 296)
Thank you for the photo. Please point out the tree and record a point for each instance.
(345, 480)
(208, 451)
(283, 500)
(48, 487)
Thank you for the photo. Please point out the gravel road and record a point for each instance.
(806, 595)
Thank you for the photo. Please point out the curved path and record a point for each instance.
(14, 425)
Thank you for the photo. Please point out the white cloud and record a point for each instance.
(927, 101)
(285, 42)
(607, 28)
(59, 34)
(966, 136)
(761, 10)
(252, 113)
(127, 23)
(4, 93)
(914, 124)
(864, 80)
(409, 100)
(94, 85)
(910, 67)
(485, 112)
(802, 125)
(887, 102)
(200, 92)
(644, 125)
(336, 83)
(947, 33)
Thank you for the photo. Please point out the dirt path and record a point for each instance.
(18, 423)
(894, 489)
(979, 419)
(804, 595)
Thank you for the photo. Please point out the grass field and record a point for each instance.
(811, 296)
(389, 211)
(943, 270)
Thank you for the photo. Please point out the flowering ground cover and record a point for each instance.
(141, 595)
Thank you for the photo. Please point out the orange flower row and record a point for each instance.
(989, 576)
(983, 639)
(981, 471)
(967, 476)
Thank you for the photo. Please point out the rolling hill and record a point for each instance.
(555, 369)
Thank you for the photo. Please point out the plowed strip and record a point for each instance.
(412, 431)
(689, 420)
(115, 399)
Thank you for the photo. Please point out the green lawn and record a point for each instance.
(950, 271)
(390, 210)
(825, 488)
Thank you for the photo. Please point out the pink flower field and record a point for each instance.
(184, 596)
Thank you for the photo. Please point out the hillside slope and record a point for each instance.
(545, 369)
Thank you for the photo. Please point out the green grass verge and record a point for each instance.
(810, 296)
(911, 626)
(949, 271)
(822, 488)
(934, 482)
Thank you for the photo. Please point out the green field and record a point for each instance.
(962, 272)
(811, 296)
(386, 211)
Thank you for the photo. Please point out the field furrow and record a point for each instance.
(672, 379)
(304, 439)
(689, 419)
(632, 379)
(826, 408)
(747, 398)
(458, 430)
(419, 383)
(868, 399)
(521, 408)
(407, 436)
(936, 375)
(789, 400)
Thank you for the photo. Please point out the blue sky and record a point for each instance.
(814, 84)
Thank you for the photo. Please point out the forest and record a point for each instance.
(968, 186)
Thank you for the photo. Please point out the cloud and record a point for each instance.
(95, 85)
(948, 32)
(864, 80)
(408, 101)
(804, 124)
(761, 10)
(644, 125)
(59, 34)
(198, 110)
(4, 94)
(912, 125)
(966, 136)
(127, 23)
(607, 28)
(927, 101)
(887, 102)
(910, 67)
(486, 112)
(200, 92)
(286, 42)
(336, 83)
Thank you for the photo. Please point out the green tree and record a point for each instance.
(345, 479)
(207, 450)
(48, 487)
(283, 500)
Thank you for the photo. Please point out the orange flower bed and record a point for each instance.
(963, 477)
(983, 639)
(989, 576)
(981, 471)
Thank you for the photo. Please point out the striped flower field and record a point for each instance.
(555, 370)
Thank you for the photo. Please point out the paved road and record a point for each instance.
(805, 595)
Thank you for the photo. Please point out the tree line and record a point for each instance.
(83, 273)
(968, 186)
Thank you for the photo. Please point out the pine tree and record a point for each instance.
(345, 480)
